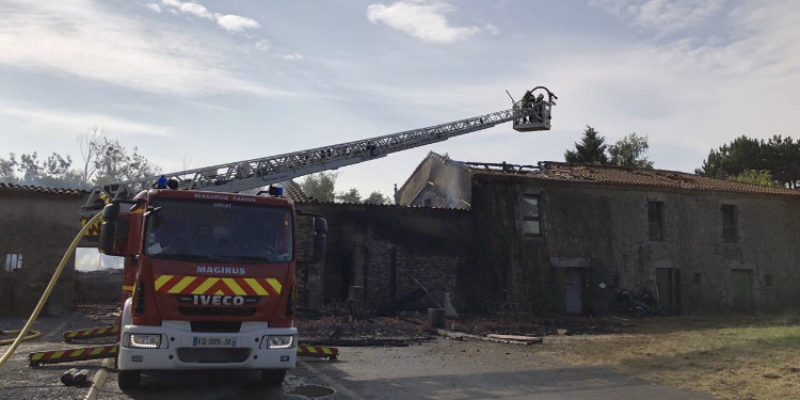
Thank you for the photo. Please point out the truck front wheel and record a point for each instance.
(273, 377)
(129, 379)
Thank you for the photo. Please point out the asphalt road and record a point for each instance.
(443, 369)
(481, 370)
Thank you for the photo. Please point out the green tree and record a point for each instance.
(630, 152)
(779, 156)
(377, 198)
(320, 186)
(351, 196)
(762, 177)
(591, 149)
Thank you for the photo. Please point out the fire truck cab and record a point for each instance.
(209, 281)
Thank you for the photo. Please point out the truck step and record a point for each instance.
(317, 351)
(69, 355)
(91, 333)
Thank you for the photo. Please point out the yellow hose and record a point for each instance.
(24, 331)
(34, 334)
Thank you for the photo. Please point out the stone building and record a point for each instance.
(37, 226)
(569, 237)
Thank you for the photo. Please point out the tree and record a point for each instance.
(30, 170)
(591, 150)
(377, 198)
(351, 196)
(90, 144)
(630, 152)
(762, 177)
(114, 164)
(779, 156)
(8, 169)
(320, 186)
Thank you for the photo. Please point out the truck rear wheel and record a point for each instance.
(129, 379)
(273, 377)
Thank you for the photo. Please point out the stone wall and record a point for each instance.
(98, 287)
(604, 229)
(40, 226)
(380, 248)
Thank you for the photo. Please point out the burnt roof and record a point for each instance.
(656, 178)
(41, 189)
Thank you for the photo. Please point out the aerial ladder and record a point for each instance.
(531, 113)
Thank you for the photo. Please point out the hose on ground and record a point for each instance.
(33, 335)
(36, 311)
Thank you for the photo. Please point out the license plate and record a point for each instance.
(204, 341)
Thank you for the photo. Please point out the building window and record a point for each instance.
(13, 262)
(428, 202)
(768, 280)
(698, 278)
(531, 219)
(730, 231)
(655, 219)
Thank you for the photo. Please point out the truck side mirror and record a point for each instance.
(320, 239)
(114, 231)
(108, 232)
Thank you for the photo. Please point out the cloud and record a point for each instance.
(292, 57)
(155, 7)
(49, 120)
(664, 16)
(263, 45)
(231, 23)
(425, 21)
(235, 23)
(81, 39)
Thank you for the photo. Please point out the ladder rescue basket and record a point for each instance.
(536, 110)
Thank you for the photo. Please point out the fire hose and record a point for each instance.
(23, 333)
(33, 335)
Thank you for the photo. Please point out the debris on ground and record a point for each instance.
(373, 330)
(535, 326)
(100, 312)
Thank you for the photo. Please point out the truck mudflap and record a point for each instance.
(176, 346)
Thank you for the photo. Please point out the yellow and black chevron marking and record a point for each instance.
(176, 284)
(68, 355)
(91, 333)
(317, 351)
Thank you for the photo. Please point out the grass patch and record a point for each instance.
(731, 357)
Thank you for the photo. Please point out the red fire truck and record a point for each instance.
(211, 279)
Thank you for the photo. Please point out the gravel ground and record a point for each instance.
(18, 381)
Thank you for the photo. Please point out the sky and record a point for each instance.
(209, 82)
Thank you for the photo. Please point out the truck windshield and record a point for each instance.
(219, 232)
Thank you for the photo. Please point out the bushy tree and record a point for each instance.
(377, 198)
(630, 152)
(779, 156)
(320, 186)
(591, 149)
(351, 196)
(763, 178)
(104, 161)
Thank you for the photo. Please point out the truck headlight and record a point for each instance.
(139, 341)
(279, 342)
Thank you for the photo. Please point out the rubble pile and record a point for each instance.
(344, 328)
